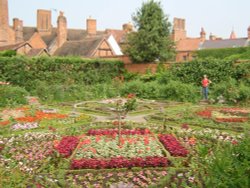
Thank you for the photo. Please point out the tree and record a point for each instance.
(152, 40)
(122, 108)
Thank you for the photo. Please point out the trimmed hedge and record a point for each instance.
(26, 72)
(223, 52)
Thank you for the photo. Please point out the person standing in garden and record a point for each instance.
(205, 83)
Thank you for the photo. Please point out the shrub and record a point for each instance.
(12, 95)
(222, 53)
(229, 166)
(192, 72)
(176, 90)
(232, 91)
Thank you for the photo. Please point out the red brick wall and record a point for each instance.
(137, 68)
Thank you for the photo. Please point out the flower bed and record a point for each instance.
(231, 119)
(24, 126)
(235, 115)
(141, 178)
(67, 145)
(119, 162)
(236, 111)
(94, 132)
(207, 113)
(129, 146)
(31, 156)
(173, 145)
(39, 115)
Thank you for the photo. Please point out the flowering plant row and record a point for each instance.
(109, 146)
(231, 119)
(207, 113)
(28, 157)
(173, 145)
(115, 131)
(67, 145)
(39, 115)
(119, 162)
(24, 126)
(136, 179)
(235, 111)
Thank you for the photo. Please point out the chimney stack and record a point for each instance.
(61, 30)
(127, 27)
(248, 33)
(44, 26)
(179, 31)
(202, 35)
(91, 26)
(212, 37)
(233, 35)
(7, 35)
(18, 28)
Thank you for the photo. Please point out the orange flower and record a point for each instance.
(192, 141)
(4, 123)
(55, 143)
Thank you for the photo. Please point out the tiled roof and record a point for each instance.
(119, 35)
(225, 43)
(48, 39)
(28, 32)
(83, 48)
(188, 44)
(12, 46)
(35, 52)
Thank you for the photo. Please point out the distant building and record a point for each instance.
(186, 46)
(44, 39)
(232, 42)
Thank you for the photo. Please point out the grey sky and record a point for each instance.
(218, 17)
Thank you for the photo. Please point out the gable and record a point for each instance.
(103, 50)
(37, 42)
(24, 49)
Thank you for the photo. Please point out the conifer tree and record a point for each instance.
(151, 42)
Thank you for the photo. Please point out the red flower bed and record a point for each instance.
(235, 111)
(119, 162)
(93, 132)
(207, 113)
(173, 145)
(67, 145)
(232, 119)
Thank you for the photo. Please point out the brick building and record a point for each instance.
(44, 39)
(186, 46)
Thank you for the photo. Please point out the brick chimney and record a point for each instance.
(233, 35)
(91, 26)
(212, 37)
(4, 22)
(248, 33)
(179, 31)
(44, 26)
(18, 28)
(202, 35)
(128, 27)
(61, 29)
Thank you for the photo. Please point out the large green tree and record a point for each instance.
(151, 42)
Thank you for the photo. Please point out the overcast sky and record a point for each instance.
(218, 17)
